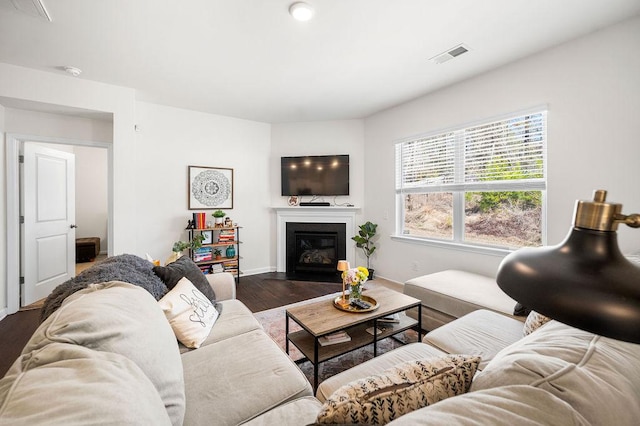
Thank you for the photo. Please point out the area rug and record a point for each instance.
(273, 322)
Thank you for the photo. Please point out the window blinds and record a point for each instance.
(507, 154)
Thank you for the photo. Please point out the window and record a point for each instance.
(482, 185)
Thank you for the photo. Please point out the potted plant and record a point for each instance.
(217, 253)
(218, 214)
(180, 246)
(364, 241)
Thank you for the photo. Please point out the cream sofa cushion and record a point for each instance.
(239, 378)
(597, 376)
(503, 406)
(67, 384)
(483, 333)
(120, 318)
(302, 411)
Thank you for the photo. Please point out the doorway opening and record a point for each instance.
(15, 193)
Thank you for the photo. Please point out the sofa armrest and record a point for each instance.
(223, 285)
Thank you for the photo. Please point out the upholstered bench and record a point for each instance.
(450, 294)
(87, 249)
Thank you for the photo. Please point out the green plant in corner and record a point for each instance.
(364, 240)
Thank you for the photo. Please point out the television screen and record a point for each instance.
(315, 175)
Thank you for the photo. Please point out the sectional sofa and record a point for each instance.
(108, 355)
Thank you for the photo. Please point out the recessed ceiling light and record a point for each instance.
(73, 71)
(301, 11)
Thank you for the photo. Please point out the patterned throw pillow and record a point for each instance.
(189, 312)
(534, 321)
(408, 386)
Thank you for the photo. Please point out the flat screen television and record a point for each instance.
(315, 175)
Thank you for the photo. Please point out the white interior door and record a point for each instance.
(48, 237)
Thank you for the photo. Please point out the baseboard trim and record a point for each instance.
(3, 313)
(244, 273)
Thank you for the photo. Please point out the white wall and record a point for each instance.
(3, 221)
(172, 139)
(592, 89)
(319, 138)
(91, 194)
(30, 85)
(58, 125)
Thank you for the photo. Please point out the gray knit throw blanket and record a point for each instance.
(125, 267)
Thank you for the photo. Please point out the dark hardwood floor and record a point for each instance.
(271, 290)
(258, 292)
(15, 331)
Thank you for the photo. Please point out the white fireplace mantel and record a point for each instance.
(346, 215)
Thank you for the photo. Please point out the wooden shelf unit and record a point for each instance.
(229, 264)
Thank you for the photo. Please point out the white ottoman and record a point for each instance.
(450, 294)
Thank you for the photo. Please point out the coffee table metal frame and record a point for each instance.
(322, 318)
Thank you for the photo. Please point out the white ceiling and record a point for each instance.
(250, 59)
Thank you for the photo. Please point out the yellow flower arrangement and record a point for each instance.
(355, 277)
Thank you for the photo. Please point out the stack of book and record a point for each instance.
(200, 220)
(202, 254)
(231, 266)
(332, 339)
(227, 236)
(206, 269)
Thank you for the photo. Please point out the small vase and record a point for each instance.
(356, 292)
(231, 251)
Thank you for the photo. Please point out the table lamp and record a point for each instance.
(585, 281)
(343, 266)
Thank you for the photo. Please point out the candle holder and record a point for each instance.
(343, 266)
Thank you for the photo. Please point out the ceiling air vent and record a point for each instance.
(450, 54)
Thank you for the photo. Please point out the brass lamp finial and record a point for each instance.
(598, 215)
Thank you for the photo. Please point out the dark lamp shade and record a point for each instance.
(584, 282)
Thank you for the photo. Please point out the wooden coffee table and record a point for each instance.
(321, 318)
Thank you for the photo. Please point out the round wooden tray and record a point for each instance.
(355, 309)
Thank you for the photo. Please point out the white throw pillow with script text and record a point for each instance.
(189, 312)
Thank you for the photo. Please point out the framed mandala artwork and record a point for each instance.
(210, 188)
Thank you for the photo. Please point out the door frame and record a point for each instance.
(14, 142)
